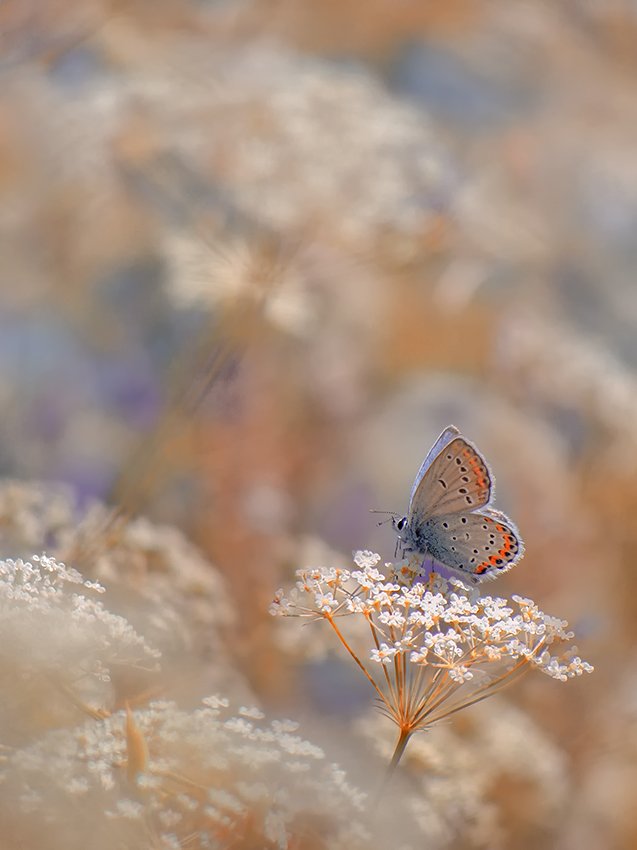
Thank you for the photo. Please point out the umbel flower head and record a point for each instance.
(434, 647)
(168, 779)
(59, 646)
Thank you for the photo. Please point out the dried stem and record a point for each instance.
(368, 675)
(401, 744)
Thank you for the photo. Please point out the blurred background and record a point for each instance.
(256, 254)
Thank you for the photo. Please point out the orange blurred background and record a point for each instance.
(257, 254)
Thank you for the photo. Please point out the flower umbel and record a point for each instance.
(435, 647)
(161, 777)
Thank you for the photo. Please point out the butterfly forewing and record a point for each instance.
(456, 479)
(480, 545)
(443, 440)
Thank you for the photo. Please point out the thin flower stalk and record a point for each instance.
(436, 647)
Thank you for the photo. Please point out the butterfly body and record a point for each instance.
(450, 518)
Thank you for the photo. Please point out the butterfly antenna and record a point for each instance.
(392, 515)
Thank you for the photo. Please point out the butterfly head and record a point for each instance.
(399, 524)
(401, 527)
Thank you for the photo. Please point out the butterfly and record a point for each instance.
(450, 519)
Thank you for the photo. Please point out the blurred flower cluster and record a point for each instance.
(158, 776)
(162, 777)
(59, 644)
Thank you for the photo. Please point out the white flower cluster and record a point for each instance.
(39, 595)
(154, 577)
(210, 778)
(430, 640)
(58, 640)
(159, 776)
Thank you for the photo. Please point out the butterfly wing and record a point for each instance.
(479, 545)
(443, 440)
(453, 477)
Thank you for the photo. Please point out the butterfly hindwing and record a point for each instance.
(479, 544)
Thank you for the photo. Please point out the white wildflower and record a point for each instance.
(460, 674)
(384, 654)
(442, 647)
(57, 639)
(212, 772)
(325, 602)
(251, 711)
(366, 560)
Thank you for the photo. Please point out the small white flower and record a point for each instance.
(419, 656)
(251, 711)
(325, 602)
(460, 674)
(365, 559)
(129, 809)
(368, 577)
(356, 605)
(169, 818)
(392, 618)
(281, 606)
(384, 654)
(216, 701)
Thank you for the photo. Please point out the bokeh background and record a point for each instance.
(257, 254)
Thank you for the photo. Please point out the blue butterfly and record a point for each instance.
(450, 519)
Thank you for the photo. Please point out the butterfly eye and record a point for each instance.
(401, 523)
